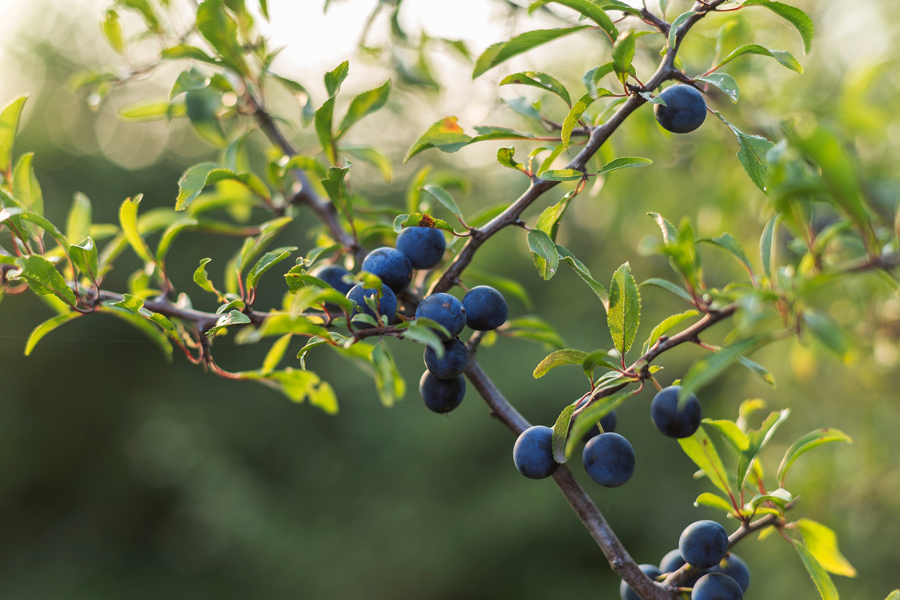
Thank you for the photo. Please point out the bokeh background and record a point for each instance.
(124, 476)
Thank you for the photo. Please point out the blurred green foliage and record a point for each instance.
(122, 475)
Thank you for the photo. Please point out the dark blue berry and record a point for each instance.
(445, 310)
(673, 420)
(387, 304)
(625, 590)
(533, 453)
(673, 561)
(734, 567)
(485, 308)
(609, 459)
(685, 109)
(608, 423)
(716, 586)
(703, 544)
(391, 266)
(441, 395)
(423, 246)
(452, 364)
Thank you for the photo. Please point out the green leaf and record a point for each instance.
(558, 358)
(544, 253)
(665, 326)
(78, 222)
(669, 287)
(198, 177)
(585, 275)
(362, 105)
(597, 358)
(623, 54)
(572, 118)
(711, 366)
(334, 185)
(727, 242)
(767, 246)
(505, 158)
(388, 382)
(624, 162)
(701, 450)
(731, 432)
(445, 135)
(220, 30)
(794, 16)
(550, 218)
(423, 333)
(86, 258)
(561, 432)
(503, 51)
(253, 247)
(188, 81)
(562, 174)
(724, 82)
(784, 58)
(146, 11)
(46, 327)
(805, 444)
(817, 573)
(275, 354)
(307, 112)
(895, 595)
(186, 52)
(757, 441)
(335, 77)
(590, 416)
(780, 498)
(26, 188)
(201, 278)
(112, 31)
(9, 126)
(234, 317)
(624, 314)
(323, 121)
(373, 157)
(822, 543)
(152, 111)
(128, 220)
(827, 331)
(752, 155)
(713, 501)
(269, 260)
(676, 24)
(442, 196)
(541, 81)
(757, 369)
(589, 8)
(43, 278)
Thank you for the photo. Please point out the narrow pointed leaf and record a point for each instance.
(46, 327)
(503, 51)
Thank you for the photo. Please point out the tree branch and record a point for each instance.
(304, 192)
(599, 136)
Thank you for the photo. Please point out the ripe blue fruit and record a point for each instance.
(609, 459)
(387, 304)
(452, 364)
(734, 567)
(672, 420)
(703, 544)
(608, 423)
(673, 561)
(441, 395)
(625, 590)
(685, 109)
(423, 246)
(446, 310)
(533, 453)
(716, 586)
(485, 308)
(391, 266)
